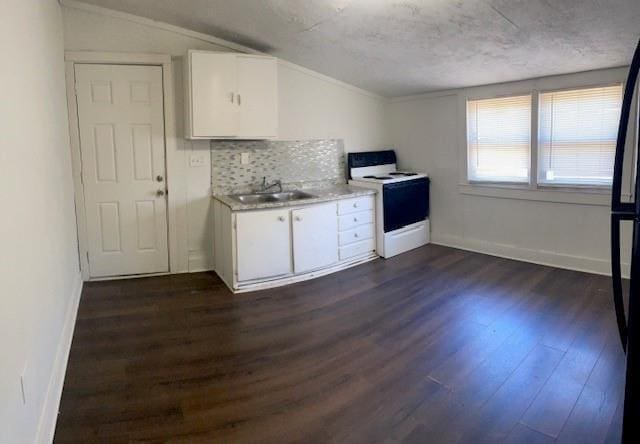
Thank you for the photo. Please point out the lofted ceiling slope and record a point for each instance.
(402, 47)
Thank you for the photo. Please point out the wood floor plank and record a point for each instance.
(500, 414)
(435, 345)
(521, 434)
(553, 405)
(599, 398)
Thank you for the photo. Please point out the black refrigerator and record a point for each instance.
(629, 320)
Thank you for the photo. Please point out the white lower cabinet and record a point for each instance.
(265, 248)
(315, 237)
(263, 244)
(357, 228)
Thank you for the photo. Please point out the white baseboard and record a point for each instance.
(541, 257)
(199, 261)
(49, 415)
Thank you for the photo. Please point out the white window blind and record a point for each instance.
(499, 139)
(577, 133)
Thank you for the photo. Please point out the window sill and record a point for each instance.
(577, 196)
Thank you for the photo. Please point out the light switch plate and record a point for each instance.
(196, 160)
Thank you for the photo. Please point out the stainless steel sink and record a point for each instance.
(285, 196)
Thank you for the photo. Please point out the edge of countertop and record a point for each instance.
(338, 192)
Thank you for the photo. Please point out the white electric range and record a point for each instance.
(402, 200)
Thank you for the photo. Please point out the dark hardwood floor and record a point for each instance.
(435, 345)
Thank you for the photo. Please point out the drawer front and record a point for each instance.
(356, 234)
(349, 221)
(347, 206)
(356, 249)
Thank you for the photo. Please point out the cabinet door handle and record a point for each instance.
(281, 218)
(355, 205)
(232, 97)
(355, 219)
(355, 234)
(239, 99)
(298, 218)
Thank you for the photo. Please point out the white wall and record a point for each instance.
(311, 105)
(39, 271)
(428, 133)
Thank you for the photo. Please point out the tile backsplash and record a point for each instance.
(297, 163)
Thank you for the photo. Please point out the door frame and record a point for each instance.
(174, 158)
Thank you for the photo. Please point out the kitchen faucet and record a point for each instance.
(264, 187)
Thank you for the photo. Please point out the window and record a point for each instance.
(577, 134)
(499, 139)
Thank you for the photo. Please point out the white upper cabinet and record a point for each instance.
(231, 96)
(257, 97)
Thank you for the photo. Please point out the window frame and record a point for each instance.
(466, 120)
(588, 186)
(563, 193)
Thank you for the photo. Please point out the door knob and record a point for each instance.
(159, 178)
(160, 193)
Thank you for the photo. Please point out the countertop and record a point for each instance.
(336, 192)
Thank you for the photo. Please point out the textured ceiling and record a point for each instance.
(410, 46)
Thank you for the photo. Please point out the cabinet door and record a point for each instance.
(263, 244)
(214, 109)
(258, 97)
(315, 237)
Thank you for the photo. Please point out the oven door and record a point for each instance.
(405, 203)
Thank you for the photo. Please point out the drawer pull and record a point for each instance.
(355, 219)
(298, 218)
(281, 218)
(355, 205)
(355, 234)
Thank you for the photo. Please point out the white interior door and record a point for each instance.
(121, 123)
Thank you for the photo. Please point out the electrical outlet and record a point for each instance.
(244, 158)
(196, 160)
